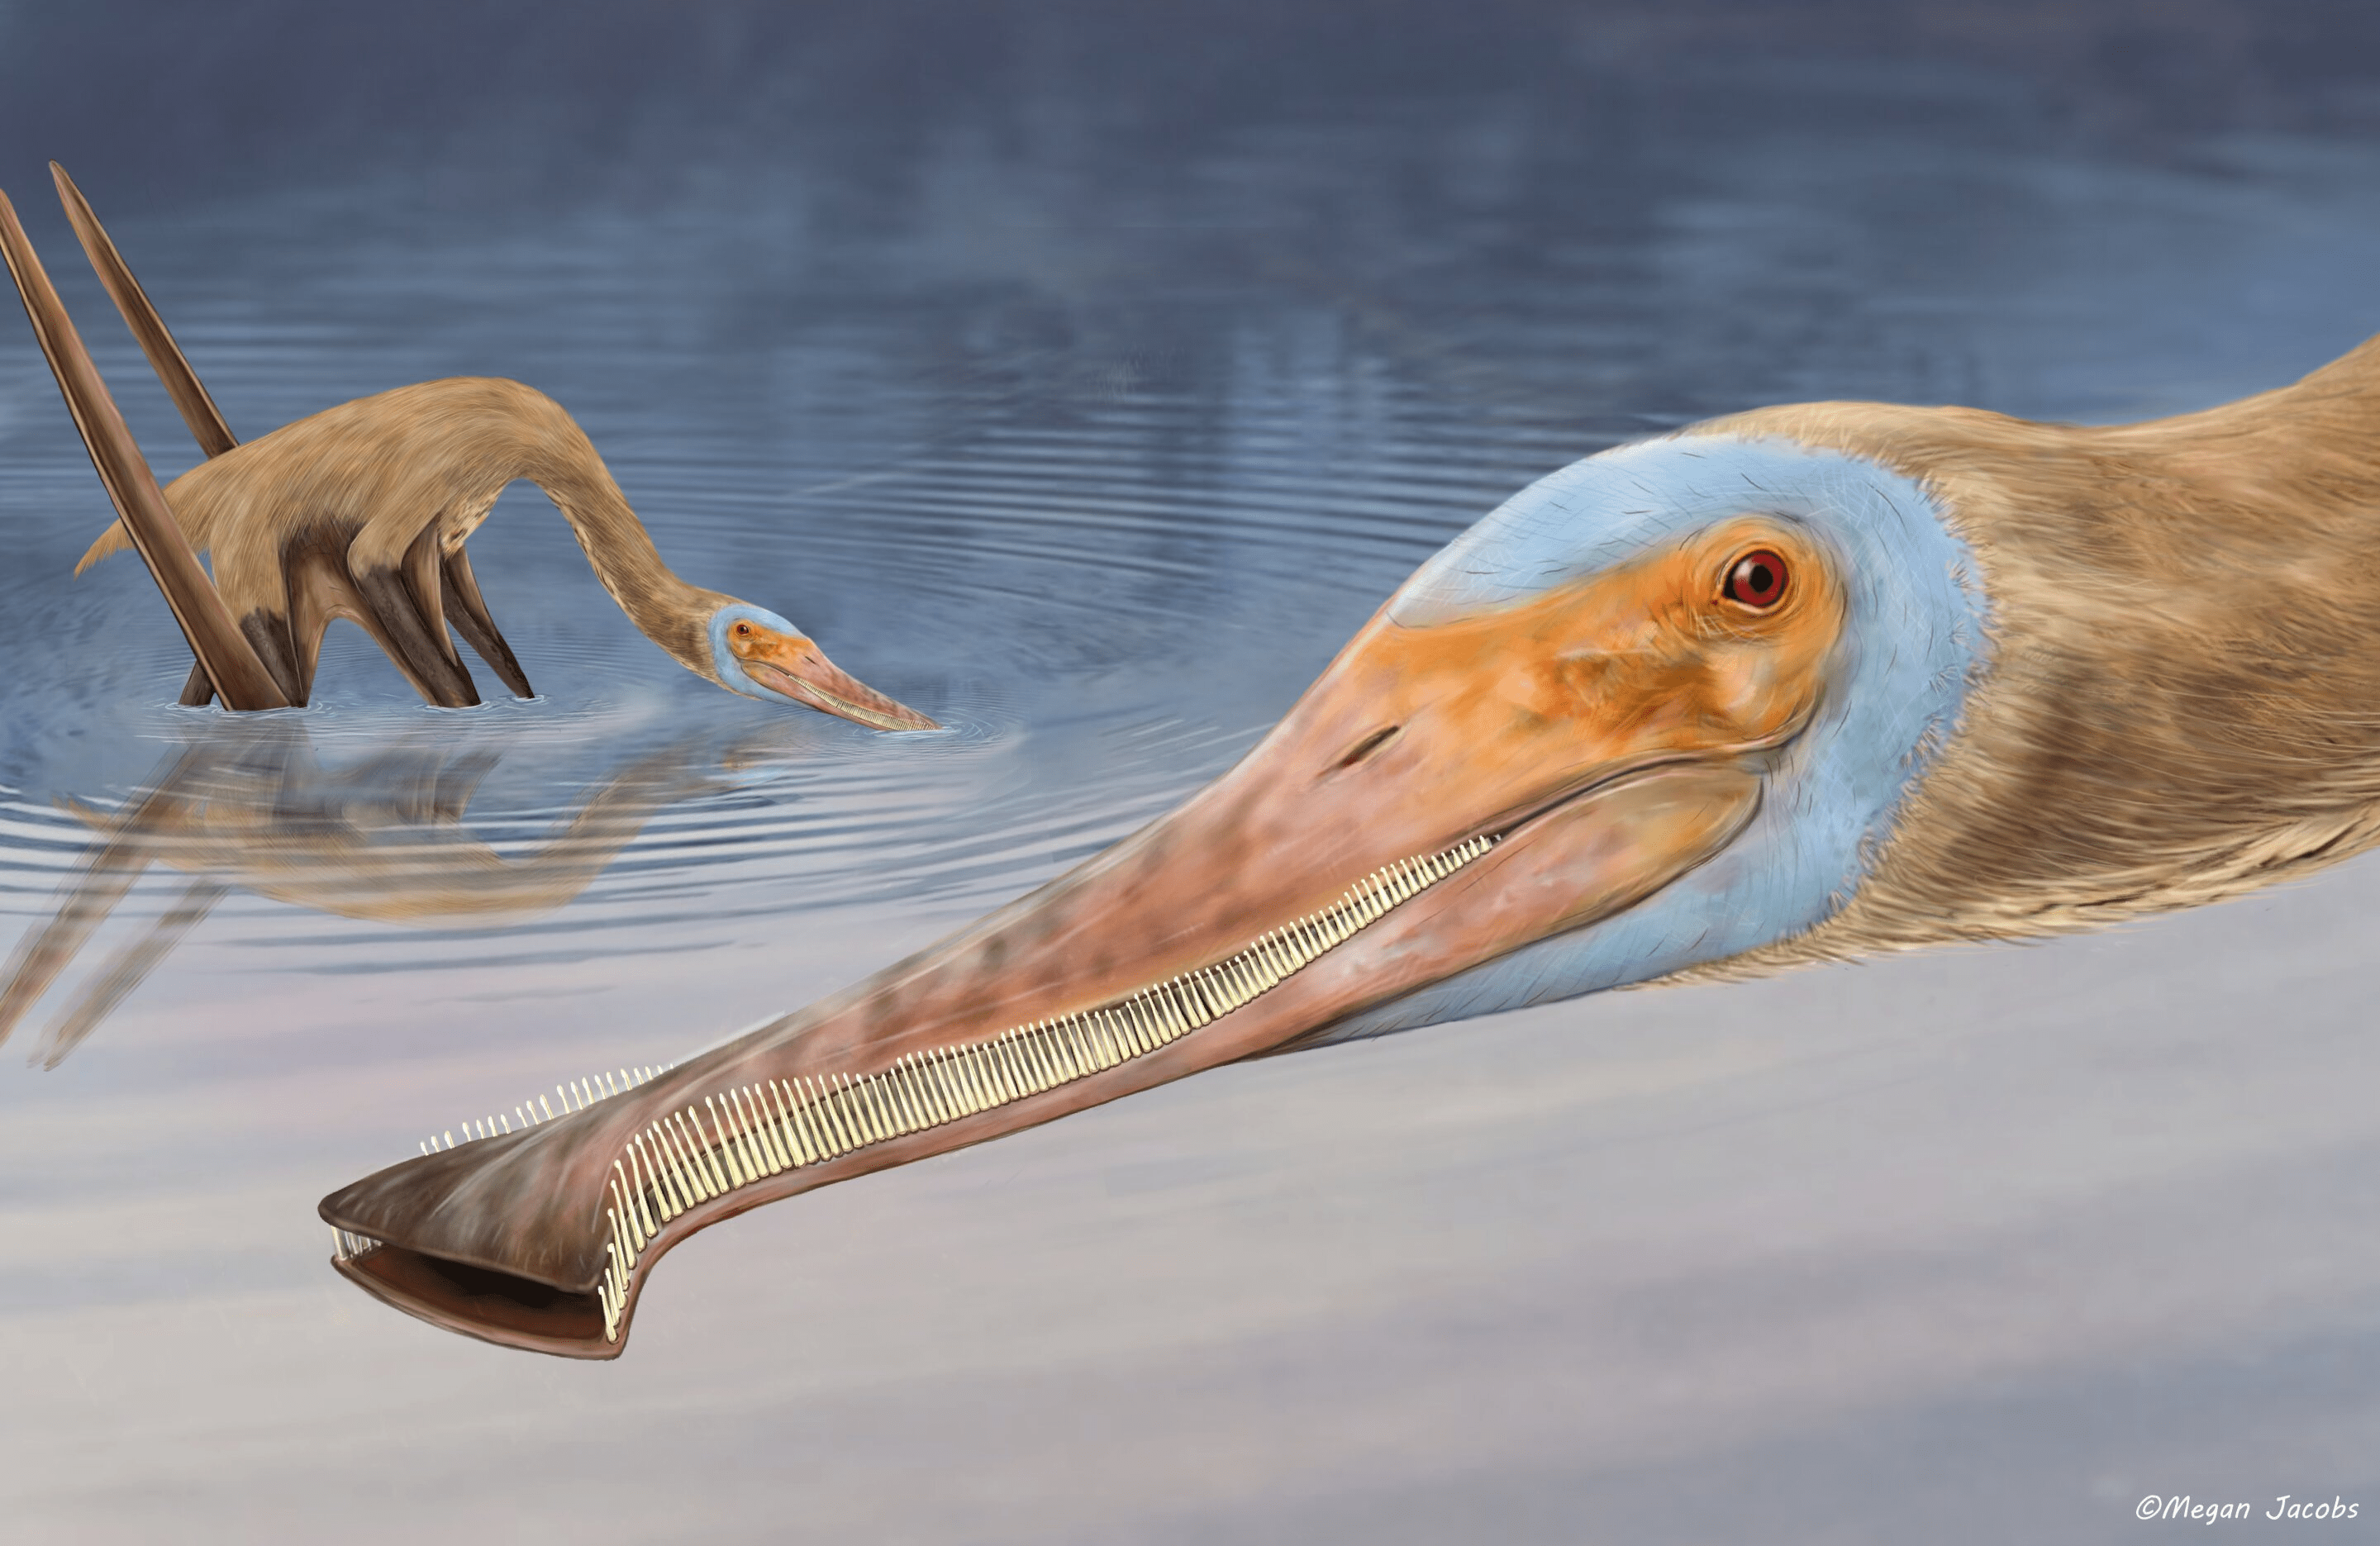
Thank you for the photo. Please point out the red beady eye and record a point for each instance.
(1756, 580)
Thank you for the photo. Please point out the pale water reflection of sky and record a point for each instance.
(1085, 384)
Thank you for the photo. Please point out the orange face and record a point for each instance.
(1707, 649)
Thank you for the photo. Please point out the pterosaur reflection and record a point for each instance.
(380, 838)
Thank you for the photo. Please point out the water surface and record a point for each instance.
(1090, 419)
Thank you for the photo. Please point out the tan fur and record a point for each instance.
(369, 478)
(2183, 695)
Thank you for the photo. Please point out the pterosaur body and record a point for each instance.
(361, 510)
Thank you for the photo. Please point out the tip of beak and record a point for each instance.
(892, 717)
(816, 682)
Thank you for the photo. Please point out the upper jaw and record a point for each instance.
(1184, 899)
(509, 1244)
(826, 687)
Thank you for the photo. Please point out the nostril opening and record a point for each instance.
(1367, 746)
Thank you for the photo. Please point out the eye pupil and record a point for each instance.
(1757, 580)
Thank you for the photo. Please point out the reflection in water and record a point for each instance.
(382, 839)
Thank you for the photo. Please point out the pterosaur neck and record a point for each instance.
(671, 612)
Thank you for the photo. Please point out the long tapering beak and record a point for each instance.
(792, 665)
(1442, 796)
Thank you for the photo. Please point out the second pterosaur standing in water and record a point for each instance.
(361, 512)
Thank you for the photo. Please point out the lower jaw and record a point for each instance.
(766, 1140)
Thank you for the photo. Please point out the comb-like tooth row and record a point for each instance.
(732, 1139)
(576, 1095)
(346, 1243)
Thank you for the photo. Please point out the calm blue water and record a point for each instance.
(1085, 384)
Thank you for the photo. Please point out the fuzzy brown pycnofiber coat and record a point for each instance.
(2182, 696)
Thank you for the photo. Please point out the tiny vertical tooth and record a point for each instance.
(1002, 1082)
(725, 1150)
(757, 1159)
(773, 1160)
(633, 1226)
(964, 1074)
(906, 1115)
(740, 1168)
(615, 1216)
(812, 1142)
(831, 1110)
(930, 1094)
(847, 1104)
(680, 1190)
(888, 1101)
(912, 1078)
(814, 1112)
(690, 1190)
(1020, 1060)
(708, 1155)
(879, 1102)
(788, 1129)
(763, 1122)
(665, 1199)
(812, 1117)
(830, 1118)
(830, 1130)
(982, 1077)
(861, 1091)
(789, 1118)
(697, 1164)
(931, 1088)
(667, 1202)
(698, 1174)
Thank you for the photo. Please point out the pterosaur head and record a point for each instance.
(755, 652)
(1657, 710)
(1687, 683)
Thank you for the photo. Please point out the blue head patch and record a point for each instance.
(1913, 638)
(730, 671)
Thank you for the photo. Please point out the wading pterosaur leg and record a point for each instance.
(406, 601)
(199, 690)
(468, 612)
(126, 970)
(231, 663)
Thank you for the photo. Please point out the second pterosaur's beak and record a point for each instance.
(792, 665)
(1442, 796)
